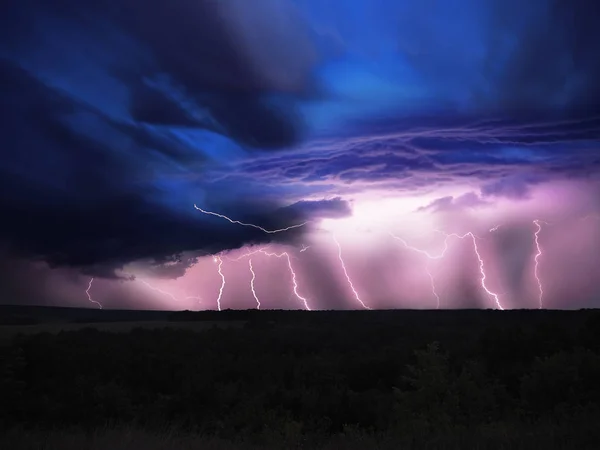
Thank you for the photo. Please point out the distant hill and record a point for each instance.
(29, 315)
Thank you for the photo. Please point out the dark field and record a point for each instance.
(285, 380)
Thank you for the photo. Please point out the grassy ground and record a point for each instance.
(581, 436)
(298, 381)
(8, 331)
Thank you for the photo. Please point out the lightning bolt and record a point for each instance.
(90, 299)
(537, 262)
(495, 228)
(356, 296)
(437, 297)
(264, 230)
(429, 256)
(304, 248)
(443, 253)
(252, 284)
(292, 272)
(424, 252)
(169, 294)
(481, 266)
(218, 260)
(250, 224)
(247, 255)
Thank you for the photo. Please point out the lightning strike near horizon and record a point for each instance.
(443, 253)
(148, 285)
(356, 296)
(247, 255)
(218, 260)
(252, 284)
(90, 299)
(250, 224)
(169, 294)
(429, 256)
(293, 273)
(437, 297)
(537, 262)
(481, 265)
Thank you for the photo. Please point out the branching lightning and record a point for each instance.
(262, 250)
(169, 294)
(424, 252)
(264, 230)
(443, 253)
(250, 224)
(438, 255)
(252, 284)
(429, 256)
(247, 255)
(346, 273)
(293, 273)
(148, 285)
(90, 299)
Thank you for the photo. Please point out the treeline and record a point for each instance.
(314, 378)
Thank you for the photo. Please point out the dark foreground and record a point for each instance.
(285, 380)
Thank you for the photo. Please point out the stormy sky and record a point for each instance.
(415, 154)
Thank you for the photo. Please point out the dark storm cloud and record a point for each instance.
(556, 57)
(505, 158)
(167, 267)
(508, 186)
(509, 57)
(101, 109)
(191, 44)
(154, 107)
(334, 208)
(76, 201)
(455, 131)
(516, 188)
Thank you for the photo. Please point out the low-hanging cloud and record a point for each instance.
(107, 111)
(450, 203)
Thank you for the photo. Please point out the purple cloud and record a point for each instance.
(450, 203)
(334, 208)
(515, 187)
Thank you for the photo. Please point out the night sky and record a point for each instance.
(425, 153)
